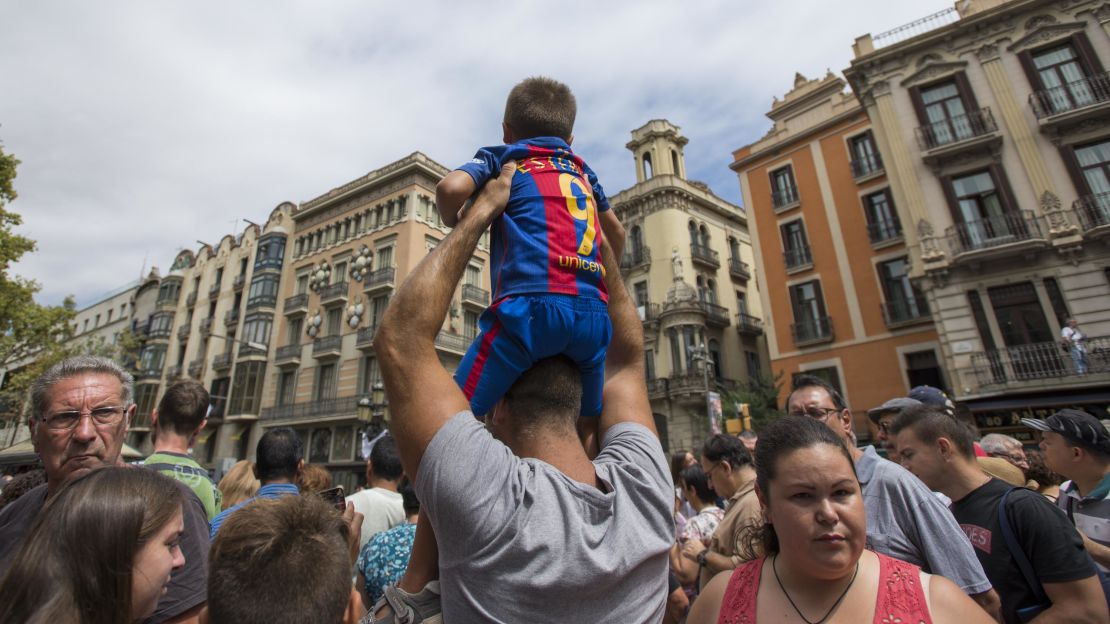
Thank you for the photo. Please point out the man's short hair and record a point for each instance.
(548, 394)
(695, 477)
(541, 106)
(71, 367)
(386, 460)
(932, 422)
(728, 448)
(409, 500)
(281, 560)
(183, 408)
(278, 453)
(748, 435)
(998, 443)
(813, 381)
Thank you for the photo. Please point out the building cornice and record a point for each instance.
(415, 163)
(773, 150)
(662, 186)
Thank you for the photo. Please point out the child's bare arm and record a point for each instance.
(613, 232)
(451, 193)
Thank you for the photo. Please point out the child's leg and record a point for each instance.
(424, 561)
(589, 341)
(497, 357)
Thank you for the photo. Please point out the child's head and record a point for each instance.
(539, 106)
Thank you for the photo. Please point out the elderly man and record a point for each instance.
(80, 411)
(904, 519)
(1005, 447)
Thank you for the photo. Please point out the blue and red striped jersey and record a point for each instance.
(549, 239)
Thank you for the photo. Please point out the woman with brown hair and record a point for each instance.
(815, 568)
(101, 552)
(238, 484)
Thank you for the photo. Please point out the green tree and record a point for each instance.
(32, 336)
(761, 394)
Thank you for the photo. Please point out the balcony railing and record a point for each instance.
(163, 331)
(196, 369)
(183, 331)
(1041, 361)
(812, 331)
(798, 257)
(206, 326)
(295, 303)
(715, 314)
(956, 129)
(1082, 93)
(327, 346)
(906, 310)
(288, 353)
(739, 269)
(380, 278)
(333, 292)
(222, 361)
(636, 259)
(648, 312)
(231, 317)
(705, 255)
(1093, 210)
(319, 409)
(994, 231)
(475, 294)
(884, 230)
(748, 324)
(261, 301)
(865, 166)
(173, 372)
(191, 299)
(453, 342)
(365, 337)
(916, 27)
(781, 198)
(214, 291)
(239, 281)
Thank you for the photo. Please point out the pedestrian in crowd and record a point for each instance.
(529, 529)
(279, 460)
(285, 560)
(381, 504)
(904, 519)
(175, 424)
(1077, 447)
(103, 550)
(1075, 343)
(1036, 560)
(238, 484)
(1041, 478)
(313, 479)
(383, 558)
(814, 536)
(928, 395)
(1001, 469)
(681, 460)
(21, 484)
(749, 438)
(729, 467)
(700, 528)
(1005, 447)
(885, 414)
(80, 410)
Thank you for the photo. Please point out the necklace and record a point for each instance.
(774, 567)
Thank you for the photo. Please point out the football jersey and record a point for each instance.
(548, 239)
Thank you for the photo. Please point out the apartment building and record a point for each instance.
(829, 239)
(993, 119)
(350, 248)
(688, 265)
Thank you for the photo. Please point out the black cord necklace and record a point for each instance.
(775, 567)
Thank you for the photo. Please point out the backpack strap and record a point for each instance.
(1016, 552)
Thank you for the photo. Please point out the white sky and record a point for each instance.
(145, 126)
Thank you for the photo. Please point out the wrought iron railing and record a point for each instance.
(327, 345)
(780, 198)
(231, 317)
(325, 408)
(239, 281)
(715, 314)
(380, 277)
(221, 361)
(333, 291)
(296, 301)
(477, 294)
(905, 310)
(1041, 360)
(454, 342)
(288, 352)
(866, 165)
(705, 255)
(915, 28)
(739, 269)
(1065, 98)
(819, 329)
(991, 232)
(1093, 210)
(955, 129)
(648, 312)
(746, 323)
(636, 258)
(884, 230)
(798, 257)
(365, 336)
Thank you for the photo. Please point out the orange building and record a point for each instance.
(830, 256)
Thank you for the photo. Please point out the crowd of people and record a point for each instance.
(540, 509)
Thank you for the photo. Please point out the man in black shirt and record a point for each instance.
(938, 449)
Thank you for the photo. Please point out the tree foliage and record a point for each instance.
(761, 394)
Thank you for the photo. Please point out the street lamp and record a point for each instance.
(371, 409)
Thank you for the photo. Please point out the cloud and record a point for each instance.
(144, 127)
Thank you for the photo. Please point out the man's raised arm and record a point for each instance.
(422, 395)
(625, 396)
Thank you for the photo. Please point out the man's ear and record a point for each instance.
(154, 418)
(202, 617)
(300, 467)
(845, 416)
(945, 447)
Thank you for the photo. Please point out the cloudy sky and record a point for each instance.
(146, 126)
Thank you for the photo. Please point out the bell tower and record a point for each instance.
(657, 149)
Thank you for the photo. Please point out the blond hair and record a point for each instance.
(238, 484)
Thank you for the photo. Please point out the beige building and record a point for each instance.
(993, 118)
(102, 322)
(350, 248)
(687, 262)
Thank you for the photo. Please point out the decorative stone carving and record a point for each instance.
(929, 58)
(987, 53)
(360, 265)
(1046, 33)
(319, 278)
(932, 71)
(676, 264)
(1039, 20)
(930, 246)
(1102, 14)
(312, 327)
(355, 312)
(1059, 222)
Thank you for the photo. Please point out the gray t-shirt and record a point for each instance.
(521, 542)
(906, 521)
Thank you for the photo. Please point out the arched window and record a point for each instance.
(647, 165)
(704, 236)
(674, 162)
(734, 248)
(636, 242)
(711, 290)
(701, 288)
(693, 233)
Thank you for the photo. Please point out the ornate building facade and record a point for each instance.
(994, 121)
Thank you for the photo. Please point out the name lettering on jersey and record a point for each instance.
(578, 264)
(556, 163)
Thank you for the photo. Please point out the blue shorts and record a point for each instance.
(518, 331)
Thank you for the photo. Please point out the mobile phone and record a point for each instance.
(335, 497)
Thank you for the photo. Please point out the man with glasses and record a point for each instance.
(885, 414)
(80, 411)
(904, 519)
(1005, 447)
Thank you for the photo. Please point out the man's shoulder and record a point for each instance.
(16, 517)
(375, 495)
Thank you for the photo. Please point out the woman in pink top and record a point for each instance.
(816, 569)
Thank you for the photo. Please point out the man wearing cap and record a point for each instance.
(1077, 447)
(885, 414)
(928, 395)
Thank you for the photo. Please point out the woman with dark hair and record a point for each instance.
(815, 568)
(700, 528)
(1043, 480)
(681, 460)
(101, 552)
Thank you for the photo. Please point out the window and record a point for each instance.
(385, 258)
(829, 374)
(377, 309)
(715, 358)
(257, 329)
(636, 244)
(217, 397)
(271, 252)
(649, 364)
(325, 382)
(733, 249)
(923, 369)
(335, 321)
(1056, 298)
(674, 161)
(470, 325)
(1062, 74)
(946, 116)
(110, 315)
(97, 323)
(865, 158)
(246, 388)
(882, 220)
(371, 375)
(783, 190)
(810, 321)
(741, 302)
(693, 229)
(339, 272)
(752, 360)
(904, 302)
(1093, 179)
(473, 275)
(319, 451)
(980, 316)
(302, 284)
(984, 212)
(794, 244)
(145, 401)
(647, 166)
(287, 388)
(86, 328)
(219, 277)
(243, 268)
(1020, 317)
(169, 291)
(294, 328)
(263, 291)
(640, 295)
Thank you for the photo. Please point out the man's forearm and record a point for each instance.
(626, 349)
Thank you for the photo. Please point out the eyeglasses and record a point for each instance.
(64, 421)
(885, 427)
(816, 413)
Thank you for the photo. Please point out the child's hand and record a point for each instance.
(494, 196)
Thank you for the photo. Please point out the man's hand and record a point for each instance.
(494, 197)
(353, 520)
